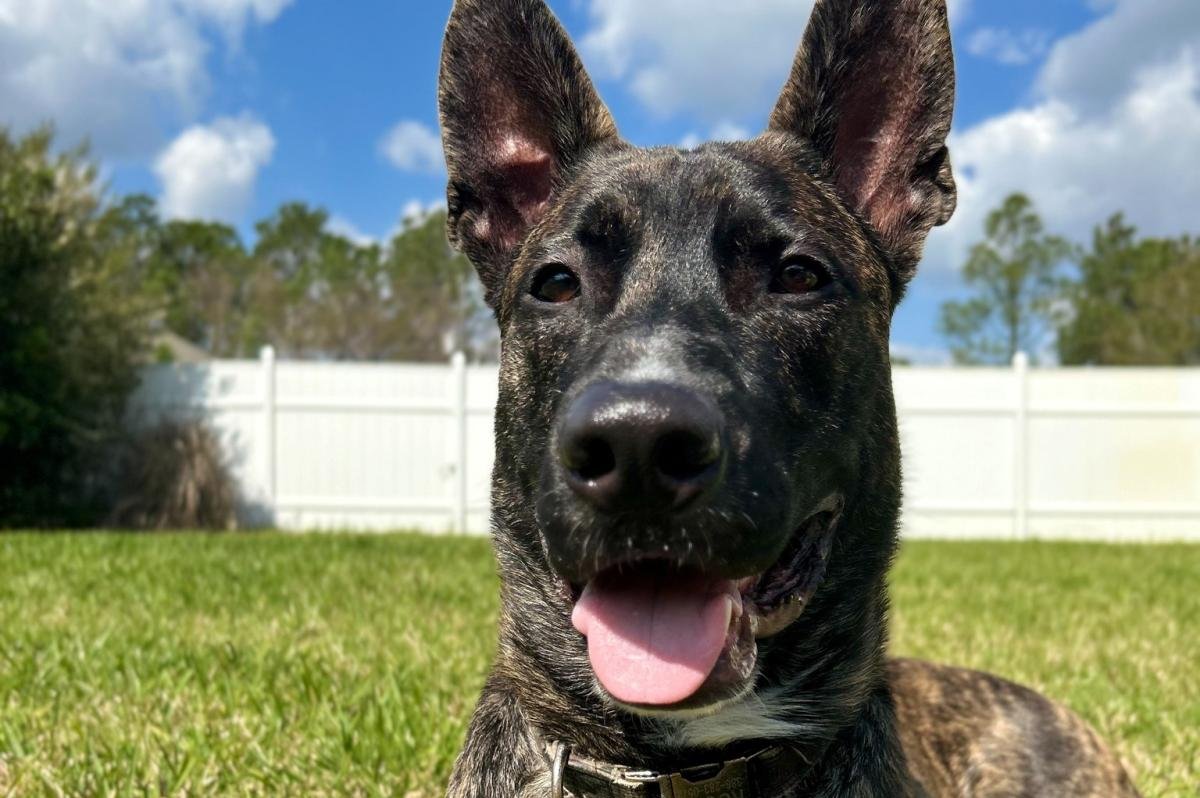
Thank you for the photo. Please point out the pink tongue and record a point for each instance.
(654, 638)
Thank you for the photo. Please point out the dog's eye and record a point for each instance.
(801, 274)
(555, 283)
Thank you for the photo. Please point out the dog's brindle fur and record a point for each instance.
(675, 252)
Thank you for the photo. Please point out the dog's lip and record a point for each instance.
(830, 507)
(780, 592)
(771, 601)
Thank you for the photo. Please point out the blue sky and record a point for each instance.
(227, 108)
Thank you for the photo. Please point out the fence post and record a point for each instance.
(266, 358)
(458, 363)
(1020, 365)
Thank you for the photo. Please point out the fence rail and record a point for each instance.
(1011, 453)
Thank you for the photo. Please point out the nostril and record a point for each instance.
(685, 456)
(590, 458)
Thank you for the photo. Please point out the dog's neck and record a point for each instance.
(869, 747)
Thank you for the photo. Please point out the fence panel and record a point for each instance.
(1110, 454)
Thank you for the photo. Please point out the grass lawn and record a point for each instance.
(322, 665)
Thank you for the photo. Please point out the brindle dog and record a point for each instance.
(697, 476)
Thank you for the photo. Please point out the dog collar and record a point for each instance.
(770, 773)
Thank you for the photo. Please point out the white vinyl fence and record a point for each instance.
(1108, 454)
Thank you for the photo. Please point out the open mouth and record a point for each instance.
(665, 639)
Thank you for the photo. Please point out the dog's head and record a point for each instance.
(696, 441)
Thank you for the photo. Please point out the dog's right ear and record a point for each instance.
(517, 112)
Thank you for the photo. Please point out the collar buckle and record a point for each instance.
(730, 781)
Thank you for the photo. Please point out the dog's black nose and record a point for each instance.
(646, 447)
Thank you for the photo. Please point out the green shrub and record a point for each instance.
(71, 331)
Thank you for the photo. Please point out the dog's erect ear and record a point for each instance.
(517, 111)
(872, 89)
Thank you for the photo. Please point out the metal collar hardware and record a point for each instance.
(770, 773)
(559, 755)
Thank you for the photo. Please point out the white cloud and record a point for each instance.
(415, 211)
(717, 58)
(1098, 66)
(233, 14)
(1139, 156)
(341, 226)
(111, 70)
(210, 171)
(722, 131)
(711, 57)
(413, 147)
(1009, 47)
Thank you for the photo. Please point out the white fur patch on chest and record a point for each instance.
(757, 716)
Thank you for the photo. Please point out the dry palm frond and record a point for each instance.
(174, 476)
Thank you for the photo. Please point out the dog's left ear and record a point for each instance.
(872, 89)
(518, 112)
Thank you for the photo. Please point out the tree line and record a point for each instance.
(306, 290)
(1120, 301)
